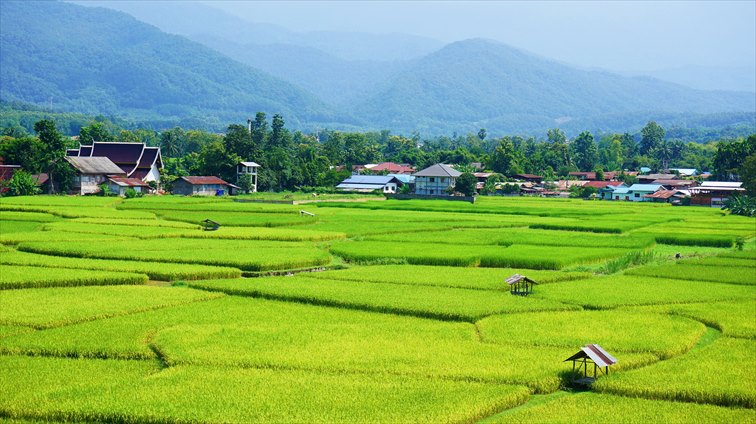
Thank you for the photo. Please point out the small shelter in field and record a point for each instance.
(587, 355)
(520, 285)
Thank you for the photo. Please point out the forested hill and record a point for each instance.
(100, 61)
(96, 60)
(480, 83)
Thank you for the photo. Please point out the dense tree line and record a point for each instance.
(292, 160)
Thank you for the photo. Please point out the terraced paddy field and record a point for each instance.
(375, 310)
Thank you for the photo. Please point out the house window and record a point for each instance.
(432, 179)
(636, 195)
(433, 192)
(616, 197)
(627, 197)
(443, 180)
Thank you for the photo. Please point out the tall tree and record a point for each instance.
(260, 130)
(238, 140)
(652, 135)
(54, 152)
(584, 151)
(172, 142)
(95, 131)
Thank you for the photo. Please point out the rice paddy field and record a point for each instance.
(372, 310)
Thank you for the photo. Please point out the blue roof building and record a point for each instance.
(368, 183)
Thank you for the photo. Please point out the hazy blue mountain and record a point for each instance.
(713, 77)
(480, 83)
(196, 19)
(96, 60)
(337, 81)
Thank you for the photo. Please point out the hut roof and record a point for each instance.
(517, 278)
(595, 353)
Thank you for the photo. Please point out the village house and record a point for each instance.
(392, 168)
(136, 160)
(650, 178)
(714, 193)
(667, 196)
(676, 184)
(636, 192)
(369, 183)
(601, 188)
(529, 178)
(247, 168)
(607, 192)
(435, 180)
(202, 186)
(119, 185)
(591, 176)
(90, 172)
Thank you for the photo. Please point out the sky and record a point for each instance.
(616, 35)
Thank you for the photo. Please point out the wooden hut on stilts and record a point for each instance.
(520, 285)
(590, 354)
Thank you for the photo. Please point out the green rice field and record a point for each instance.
(372, 310)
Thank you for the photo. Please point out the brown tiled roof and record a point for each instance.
(204, 180)
(393, 168)
(661, 194)
(128, 182)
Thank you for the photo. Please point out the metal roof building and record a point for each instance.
(367, 183)
(590, 354)
(438, 170)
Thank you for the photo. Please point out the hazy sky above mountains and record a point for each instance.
(626, 36)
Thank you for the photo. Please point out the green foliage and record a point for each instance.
(741, 205)
(22, 184)
(130, 193)
(466, 184)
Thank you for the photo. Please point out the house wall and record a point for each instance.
(186, 189)
(434, 186)
(153, 175)
(88, 183)
(389, 188)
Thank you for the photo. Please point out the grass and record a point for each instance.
(54, 307)
(720, 373)
(509, 236)
(17, 277)
(129, 391)
(154, 270)
(515, 256)
(254, 333)
(724, 274)
(422, 301)
(444, 276)
(593, 407)
(628, 290)
(247, 256)
(616, 331)
(733, 319)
